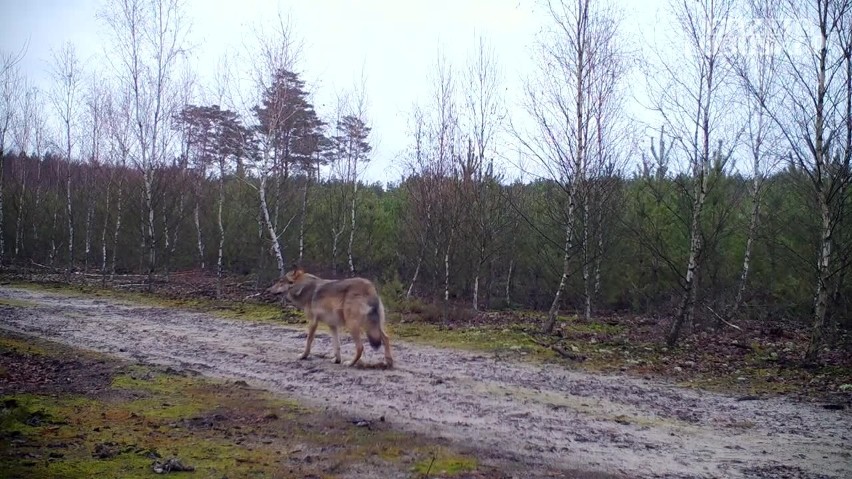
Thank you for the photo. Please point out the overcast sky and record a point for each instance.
(395, 42)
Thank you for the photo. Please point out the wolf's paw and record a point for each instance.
(352, 363)
(303, 356)
(389, 362)
(336, 360)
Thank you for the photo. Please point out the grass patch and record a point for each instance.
(484, 339)
(445, 464)
(17, 303)
(21, 346)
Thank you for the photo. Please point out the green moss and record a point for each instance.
(17, 303)
(595, 327)
(486, 339)
(445, 464)
(21, 346)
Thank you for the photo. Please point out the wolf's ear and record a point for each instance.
(297, 271)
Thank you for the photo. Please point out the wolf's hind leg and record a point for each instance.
(312, 329)
(359, 346)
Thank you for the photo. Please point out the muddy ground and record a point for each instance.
(543, 418)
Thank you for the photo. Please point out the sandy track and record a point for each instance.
(544, 416)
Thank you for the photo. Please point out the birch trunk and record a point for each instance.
(823, 277)
(569, 231)
(172, 247)
(509, 283)
(304, 218)
(221, 229)
(600, 251)
(87, 249)
(752, 231)
(447, 277)
(2, 191)
(19, 234)
(823, 194)
(117, 229)
(36, 201)
(352, 228)
(414, 278)
(476, 293)
(104, 233)
(270, 229)
(690, 292)
(587, 292)
(70, 217)
(53, 249)
(149, 204)
(335, 237)
(199, 236)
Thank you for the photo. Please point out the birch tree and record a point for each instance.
(95, 116)
(483, 115)
(148, 47)
(572, 57)
(815, 120)
(120, 134)
(756, 66)
(10, 82)
(66, 97)
(27, 133)
(690, 89)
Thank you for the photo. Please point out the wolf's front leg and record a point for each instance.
(312, 329)
(335, 340)
(388, 355)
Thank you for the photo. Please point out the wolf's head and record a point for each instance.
(283, 285)
(291, 285)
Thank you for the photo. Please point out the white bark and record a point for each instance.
(199, 237)
(88, 236)
(19, 233)
(509, 282)
(752, 231)
(267, 223)
(68, 210)
(335, 237)
(823, 277)
(447, 270)
(476, 293)
(104, 229)
(587, 313)
(566, 266)
(599, 256)
(352, 224)
(414, 277)
(221, 229)
(304, 218)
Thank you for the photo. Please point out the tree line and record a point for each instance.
(734, 205)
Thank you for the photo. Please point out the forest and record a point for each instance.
(733, 202)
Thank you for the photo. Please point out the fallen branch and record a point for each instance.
(45, 266)
(720, 318)
(557, 349)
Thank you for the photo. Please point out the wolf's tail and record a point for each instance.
(375, 320)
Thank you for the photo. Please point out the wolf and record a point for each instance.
(353, 303)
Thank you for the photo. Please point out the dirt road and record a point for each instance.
(544, 416)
